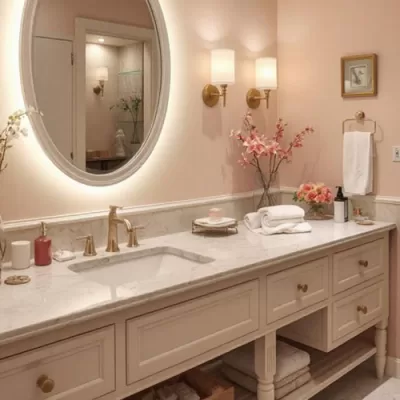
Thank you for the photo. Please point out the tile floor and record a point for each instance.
(361, 384)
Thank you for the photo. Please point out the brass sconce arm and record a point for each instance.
(211, 95)
(99, 89)
(254, 98)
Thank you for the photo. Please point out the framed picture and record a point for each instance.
(359, 75)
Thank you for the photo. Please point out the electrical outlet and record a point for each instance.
(396, 153)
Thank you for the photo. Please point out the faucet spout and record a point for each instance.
(113, 222)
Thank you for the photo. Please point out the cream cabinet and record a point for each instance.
(352, 312)
(80, 368)
(168, 337)
(297, 288)
(323, 299)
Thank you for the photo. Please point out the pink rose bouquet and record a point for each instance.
(316, 195)
(257, 146)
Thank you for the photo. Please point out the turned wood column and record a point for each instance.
(265, 366)
(381, 345)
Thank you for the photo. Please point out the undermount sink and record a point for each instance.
(141, 265)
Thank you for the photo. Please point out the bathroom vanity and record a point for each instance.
(112, 325)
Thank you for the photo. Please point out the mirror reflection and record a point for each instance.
(96, 71)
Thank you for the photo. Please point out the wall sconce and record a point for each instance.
(266, 80)
(102, 77)
(222, 73)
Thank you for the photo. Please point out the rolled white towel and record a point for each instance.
(284, 212)
(253, 220)
(303, 227)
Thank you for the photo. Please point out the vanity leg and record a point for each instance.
(381, 343)
(265, 366)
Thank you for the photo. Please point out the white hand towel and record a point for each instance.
(253, 220)
(265, 221)
(284, 212)
(358, 162)
(288, 228)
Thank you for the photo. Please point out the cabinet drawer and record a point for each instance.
(165, 338)
(354, 311)
(75, 369)
(354, 266)
(297, 288)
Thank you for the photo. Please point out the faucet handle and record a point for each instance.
(132, 236)
(90, 248)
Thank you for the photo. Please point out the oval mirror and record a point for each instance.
(98, 70)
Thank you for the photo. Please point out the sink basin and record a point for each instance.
(142, 265)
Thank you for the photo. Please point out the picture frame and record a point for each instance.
(359, 76)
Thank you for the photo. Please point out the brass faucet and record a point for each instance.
(113, 222)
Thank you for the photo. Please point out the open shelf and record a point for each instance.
(327, 368)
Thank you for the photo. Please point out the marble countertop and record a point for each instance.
(57, 296)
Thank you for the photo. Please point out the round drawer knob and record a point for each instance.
(362, 309)
(302, 288)
(363, 263)
(45, 384)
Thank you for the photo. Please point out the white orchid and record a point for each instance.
(13, 130)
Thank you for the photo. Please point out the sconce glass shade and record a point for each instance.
(102, 74)
(266, 73)
(223, 67)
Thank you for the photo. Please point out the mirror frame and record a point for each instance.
(40, 130)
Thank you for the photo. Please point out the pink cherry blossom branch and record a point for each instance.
(258, 146)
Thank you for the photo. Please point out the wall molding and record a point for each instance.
(162, 207)
(15, 225)
(393, 367)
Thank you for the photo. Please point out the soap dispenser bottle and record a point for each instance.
(341, 207)
(43, 254)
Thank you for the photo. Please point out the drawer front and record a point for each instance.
(354, 266)
(354, 311)
(297, 288)
(165, 338)
(79, 369)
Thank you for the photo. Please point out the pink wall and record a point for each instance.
(194, 157)
(55, 17)
(313, 35)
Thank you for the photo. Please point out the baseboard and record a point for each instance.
(393, 367)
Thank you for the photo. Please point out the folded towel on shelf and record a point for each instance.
(358, 162)
(292, 386)
(289, 360)
(250, 383)
(283, 212)
(241, 379)
(253, 220)
(291, 378)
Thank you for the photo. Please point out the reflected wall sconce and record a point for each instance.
(266, 80)
(102, 77)
(222, 74)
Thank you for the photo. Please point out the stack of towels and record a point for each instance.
(292, 368)
(277, 219)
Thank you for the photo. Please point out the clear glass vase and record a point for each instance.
(268, 199)
(316, 211)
